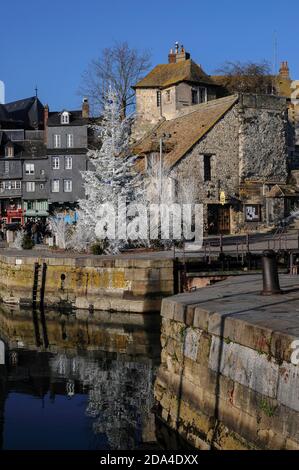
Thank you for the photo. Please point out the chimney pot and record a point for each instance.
(284, 70)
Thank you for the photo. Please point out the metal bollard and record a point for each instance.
(270, 274)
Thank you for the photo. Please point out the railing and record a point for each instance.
(280, 240)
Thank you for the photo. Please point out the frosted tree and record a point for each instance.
(19, 239)
(110, 176)
(61, 230)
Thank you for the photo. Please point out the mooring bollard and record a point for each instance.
(270, 274)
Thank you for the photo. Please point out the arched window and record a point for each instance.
(65, 117)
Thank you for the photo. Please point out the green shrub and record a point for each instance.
(99, 247)
(27, 243)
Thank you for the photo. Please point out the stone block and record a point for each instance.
(292, 445)
(190, 342)
(167, 308)
(201, 318)
(244, 365)
(288, 386)
(180, 312)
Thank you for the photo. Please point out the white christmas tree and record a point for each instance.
(110, 176)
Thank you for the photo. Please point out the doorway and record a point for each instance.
(218, 219)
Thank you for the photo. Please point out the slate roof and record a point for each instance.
(164, 75)
(27, 114)
(185, 131)
(23, 149)
(76, 119)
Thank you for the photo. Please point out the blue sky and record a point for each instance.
(51, 42)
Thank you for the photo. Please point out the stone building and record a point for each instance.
(170, 88)
(231, 152)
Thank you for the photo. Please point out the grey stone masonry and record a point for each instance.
(229, 371)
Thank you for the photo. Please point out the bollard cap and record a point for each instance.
(269, 253)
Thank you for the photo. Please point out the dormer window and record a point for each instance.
(65, 117)
(9, 150)
(198, 95)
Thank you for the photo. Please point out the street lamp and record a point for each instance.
(162, 138)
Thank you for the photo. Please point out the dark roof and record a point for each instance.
(23, 149)
(185, 131)
(164, 75)
(27, 114)
(76, 119)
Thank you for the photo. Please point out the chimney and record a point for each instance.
(85, 108)
(284, 71)
(171, 57)
(46, 117)
(182, 55)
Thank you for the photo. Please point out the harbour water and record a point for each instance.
(78, 380)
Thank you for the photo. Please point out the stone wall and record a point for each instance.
(226, 380)
(262, 138)
(247, 145)
(222, 143)
(120, 284)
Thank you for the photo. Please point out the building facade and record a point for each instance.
(227, 154)
(169, 89)
(67, 135)
(42, 155)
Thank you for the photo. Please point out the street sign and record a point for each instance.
(222, 198)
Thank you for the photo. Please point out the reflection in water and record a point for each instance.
(77, 381)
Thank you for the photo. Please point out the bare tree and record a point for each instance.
(118, 66)
(248, 77)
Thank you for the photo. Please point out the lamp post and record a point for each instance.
(161, 140)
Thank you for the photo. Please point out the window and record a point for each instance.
(55, 186)
(41, 186)
(57, 141)
(30, 186)
(29, 168)
(42, 172)
(65, 117)
(68, 163)
(8, 185)
(29, 205)
(207, 167)
(202, 92)
(168, 96)
(198, 95)
(67, 186)
(6, 167)
(70, 140)
(9, 150)
(158, 99)
(194, 93)
(55, 163)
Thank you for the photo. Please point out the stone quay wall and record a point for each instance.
(226, 379)
(115, 284)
